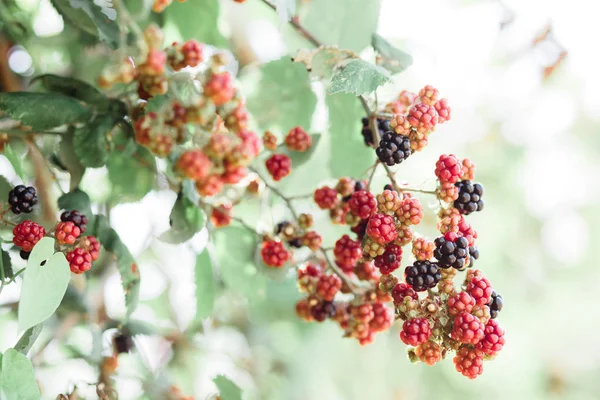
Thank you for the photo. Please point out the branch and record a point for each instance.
(295, 22)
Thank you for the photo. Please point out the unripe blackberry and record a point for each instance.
(326, 197)
(347, 251)
(305, 221)
(443, 109)
(194, 164)
(493, 341)
(279, 166)
(304, 310)
(469, 362)
(482, 312)
(221, 215)
(407, 98)
(429, 95)
(297, 139)
(400, 125)
(410, 211)
(468, 168)
(446, 285)
(402, 290)
(362, 312)
(92, 246)
(274, 254)
(66, 232)
(467, 328)
(323, 310)
(328, 286)
(382, 318)
(362, 204)
(405, 235)
(469, 197)
(209, 186)
(79, 260)
(459, 303)
(366, 271)
(415, 331)
(423, 117)
(451, 253)
(495, 304)
(27, 234)
(219, 88)
(481, 289)
(372, 249)
(429, 353)
(22, 199)
(387, 283)
(393, 148)
(418, 140)
(80, 220)
(448, 168)
(447, 192)
(422, 275)
(422, 249)
(381, 228)
(388, 202)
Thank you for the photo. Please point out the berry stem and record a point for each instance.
(208, 207)
(374, 167)
(278, 192)
(295, 22)
(339, 272)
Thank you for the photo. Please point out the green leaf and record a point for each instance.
(5, 187)
(90, 143)
(156, 103)
(95, 20)
(17, 379)
(136, 327)
(345, 135)
(227, 389)
(132, 176)
(284, 98)
(6, 270)
(358, 77)
(206, 288)
(15, 160)
(130, 276)
(286, 9)
(73, 88)
(392, 59)
(69, 160)
(43, 110)
(186, 220)
(28, 339)
(347, 23)
(196, 19)
(76, 200)
(43, 285)
(234, 255)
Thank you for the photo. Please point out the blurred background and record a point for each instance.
(522, 80)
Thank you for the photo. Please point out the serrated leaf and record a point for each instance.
(186, 220)
(237, 267)
(28, 339)
(358, 77)
(43, 285)
(344, 132)
(130, 276)
(346, 23)
(392, 59)
(284, 98)
(15, 160)
(227, 389)
(76, 200)
(196, 19)
(43, 110)
(206, 286)
(89, 142)
(6, 270)
(17, 377)
(73, 88)
(132, 176)
(66, 156)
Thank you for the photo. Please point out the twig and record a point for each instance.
(295, 22)
(42, 179)
(278, 192)
(372, 175)
(339, 272)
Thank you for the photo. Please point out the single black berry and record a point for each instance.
(469, 197)
(24, 254)
(323, 310)
(495, 304)
(451, 254)
(74, 216)
(393, 148)
(296, 242)
(422, 275)
(22, 199)
(280, 227)
(383, 126)
(388, 187)
(123, 343)
(359, 185)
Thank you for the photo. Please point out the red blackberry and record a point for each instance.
(467, 328)
(495, 304)
(326, 197)
(469, 197)
(362, 204)
(390, 260)
(422, 275)
(22, 199)
(493, 341)
(448, 168)
(381, 228)
(92, 245)
(323, 310)
(74, 216)
(481, 289)
(274, 254)
(297, 139)
(27, 234)
(279, 166)
(469, 362)
(415, 331)
(79, 261)
(393, 148)
(312, 240)
(383, 318)
(66, 232)
(451, 253)
(347, 252)
(401, 291)
(328, 286)
(460, 302)
(429, 352)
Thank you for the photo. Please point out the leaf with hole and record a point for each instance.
(43, 285)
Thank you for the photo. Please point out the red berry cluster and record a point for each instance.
(277, 249)
(280, 165)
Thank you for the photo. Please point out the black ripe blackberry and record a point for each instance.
(422, 275)
(383, 125)
(22, 199)
(74, 216)
(123, 343)
(469, 197)
(359, 185)
(393, 148)
(495, 304)
(24, 254)
(474, 253)
(451, 254)
(388, 187)
(296, 242)
(323, 310)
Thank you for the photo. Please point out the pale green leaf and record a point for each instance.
(5, 187)
(15, 160)
(286, 9)
(28, 338)
(132, 176)
(186, 220)
(6, 270)
(206, 288)
(392, 59)
(197, 19)
(358, 77)
(284, 98)
(73, 88)
(156, 103)
(43, 285)
(346, 23)
(17, 377)
(227, 389)
(89, 142)
(43, 110)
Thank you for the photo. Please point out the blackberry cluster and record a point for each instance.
(495, 304)
(474, 253)
(393, 148)
(469, 197)
(422, 275)
(323, 310)
(22, 199)
(77, 218)
(383, 125)
(451, 254)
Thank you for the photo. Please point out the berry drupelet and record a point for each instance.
(22, 199)
(422, 275)
(393, 148)
(469, 197)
